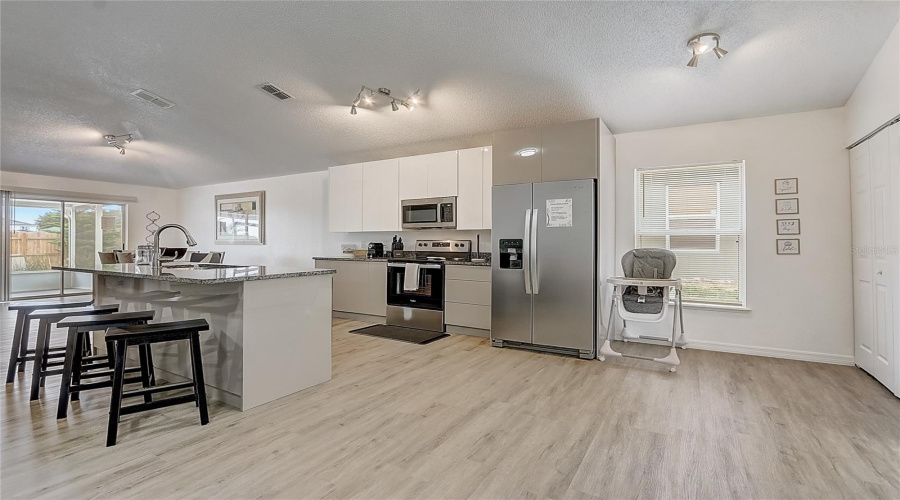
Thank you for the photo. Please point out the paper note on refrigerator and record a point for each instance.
(559, 212)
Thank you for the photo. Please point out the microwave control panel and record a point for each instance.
(446, 212)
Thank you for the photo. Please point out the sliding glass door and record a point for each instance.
(46, 233)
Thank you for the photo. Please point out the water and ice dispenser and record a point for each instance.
(511, 254)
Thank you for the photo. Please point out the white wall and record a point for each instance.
(296, 222)
(877, 96)
(162, 200)
(800, 306)
(296, 219)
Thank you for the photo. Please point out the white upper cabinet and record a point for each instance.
(367, 196)
(380, 196)
(487, 183)
(345, 198)
(442, 174)
(414, 177)
(474, 198)
(470, 201)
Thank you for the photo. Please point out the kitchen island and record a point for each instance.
(270, 327)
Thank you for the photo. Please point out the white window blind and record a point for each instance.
(698, 213)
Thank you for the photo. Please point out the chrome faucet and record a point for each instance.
(154, 259)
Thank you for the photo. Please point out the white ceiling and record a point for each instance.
(67, 69)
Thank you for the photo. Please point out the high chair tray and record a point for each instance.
(644, 282)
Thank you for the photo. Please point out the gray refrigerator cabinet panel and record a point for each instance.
(564, 151)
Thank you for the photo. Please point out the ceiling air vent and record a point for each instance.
(275, 91)
(153, 98)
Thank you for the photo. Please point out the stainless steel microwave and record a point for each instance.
(429, 213)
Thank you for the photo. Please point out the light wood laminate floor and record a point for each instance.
(458, 418)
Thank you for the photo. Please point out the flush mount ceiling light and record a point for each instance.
(118, 141)
(703, 43)
(527, 152)
(367, 96)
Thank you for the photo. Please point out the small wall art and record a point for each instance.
(787, 206)
(787, 186)
(788, 246)
(788, 226)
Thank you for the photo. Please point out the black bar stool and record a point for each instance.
(43, 358)
(78, 366)
(148, 334)
(20, 352)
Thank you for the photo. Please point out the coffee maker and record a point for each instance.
(376, 251)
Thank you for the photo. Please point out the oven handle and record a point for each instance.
(421, 266)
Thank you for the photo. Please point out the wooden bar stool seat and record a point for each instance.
(46, 363)
(19, 354)
(77, 366)
(145, 335)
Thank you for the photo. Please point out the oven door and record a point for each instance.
(429, 295)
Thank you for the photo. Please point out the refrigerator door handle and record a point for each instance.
(535, 271)
(526, 252)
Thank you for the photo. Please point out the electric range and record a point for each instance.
(422, 307)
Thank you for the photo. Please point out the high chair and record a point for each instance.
(643, 295)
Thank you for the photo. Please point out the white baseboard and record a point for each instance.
(772, 352)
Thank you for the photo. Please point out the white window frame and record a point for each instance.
(744, 304)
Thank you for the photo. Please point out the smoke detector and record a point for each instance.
(153, 98)
(275, 92)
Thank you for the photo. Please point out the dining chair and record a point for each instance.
(107, 257)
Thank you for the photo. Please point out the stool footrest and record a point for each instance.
(160, 403)
(99, 385)
(160, 388)
(109, 373)
(61, 349)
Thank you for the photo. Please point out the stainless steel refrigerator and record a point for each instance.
(544, 267)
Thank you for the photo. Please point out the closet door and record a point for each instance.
(875, 268)
(894, 166)
(862, 260)
(884, 215)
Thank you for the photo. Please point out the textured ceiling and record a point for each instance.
(67, 69)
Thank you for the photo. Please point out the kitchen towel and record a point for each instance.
(411, 277)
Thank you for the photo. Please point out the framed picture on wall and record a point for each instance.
(786, 186)
(788, 246)
(788, 226)
(241, 218)
(787, 206)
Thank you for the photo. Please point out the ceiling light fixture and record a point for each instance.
(366, 95)
(698, 47)
(117, 141)
(527, 152)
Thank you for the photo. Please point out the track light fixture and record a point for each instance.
(367, 95)
(117, 141)
(701, 44)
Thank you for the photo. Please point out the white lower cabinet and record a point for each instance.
(467, 301)
(359, 287)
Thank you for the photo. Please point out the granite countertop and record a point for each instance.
(204, 274)
(384, 259)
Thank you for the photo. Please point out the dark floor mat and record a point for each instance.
(411, 335)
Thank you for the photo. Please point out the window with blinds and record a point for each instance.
(698, 213)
